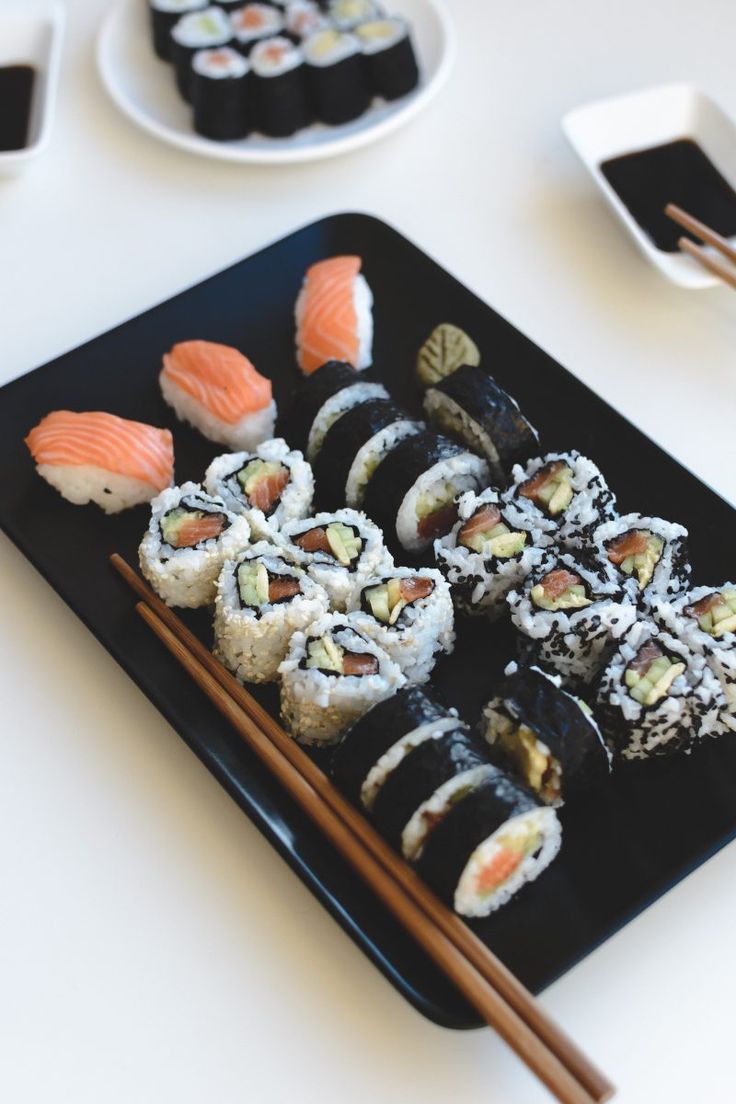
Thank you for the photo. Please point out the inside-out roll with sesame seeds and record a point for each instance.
(269, 486)
(563, 494)
(189, 537)
(656, 696)
(262, 600)
(569, 616)
(484, 555)
(649, 556)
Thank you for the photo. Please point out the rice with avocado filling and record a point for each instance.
(483, 557)
(189, 537)
(657, 697)
(409, 613)
(563, 494)
(569, 616)
(269, 486)
(648, 555)
(262, 600)
(332, 675)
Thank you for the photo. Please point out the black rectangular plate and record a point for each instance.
(623, 846)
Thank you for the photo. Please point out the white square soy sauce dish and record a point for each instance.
(636, 121)
(31, 33)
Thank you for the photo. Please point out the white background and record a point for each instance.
(152, 946)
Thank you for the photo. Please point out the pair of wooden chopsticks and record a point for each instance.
(706, 234)
(493, 990)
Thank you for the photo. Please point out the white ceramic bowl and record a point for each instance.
(143, 88)
(30, 34)
(623, 124)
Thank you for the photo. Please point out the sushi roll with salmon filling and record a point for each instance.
(164, 15)
(427, 783)
(488, 845)
(189, 537)
(470, 406)
(649, 556)
(412, 493)
(334, 315)
(389, 56)
(569, 617)
(354, 446)
(279, 91)
(339, 550)
(218, 391)
(254, 23)
(656, 696)
(564, 495)
(98, 457)
(331, 676)
(336, 77)
(304, 18)
(221, 94)
(262, 600)
(374, 747)
(199, 30)
(409, 613)
(348, 14)
(484, 556)
(270, 486)
(705, 620)
(544, 736)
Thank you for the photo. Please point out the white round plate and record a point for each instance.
(143, 88)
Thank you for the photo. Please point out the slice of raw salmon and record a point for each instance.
(280, 588)
(628, 544)
(482, 521)
(268, 489)
(196, 529)
(557, 582)
(219, 377)
(327, 326)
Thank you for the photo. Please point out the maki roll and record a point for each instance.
(334, 314)
(336, 78)
(304, 18)
(331, 676)
(269, 486)
(471, 406)
(334, 408)
(262, 600)
(432, 778)
(413, 490)
(206, 29)
(220, 94)
(339, 550)
(569, 616)
(354, 446)
(189, 537)
(279, 91)
(648, 555)
(489, 845)
(409, 613)
(254, 23)
(375, 746)
(218, 391)
(656, 696)
(97, 457)
(564, 495)
(445, 350)
(705, 620)
(164, 15)
(309, 398)
(545, 736)
(484, 555)
(390, 60)
(348, 14)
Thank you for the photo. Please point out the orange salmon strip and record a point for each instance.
(328, 328)
(220, 378)
(198, 529)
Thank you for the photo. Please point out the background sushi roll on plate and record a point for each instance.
(253, 23)
(221, 94)
(207, 29)
(262, 600)
(270, 486)
(334, 313)
(484, 555)
(279, 90)
(332, 675)
(648, 555)
(189, 537)
(349, 14)
(336, 77)
(164, 14)
(390, 60)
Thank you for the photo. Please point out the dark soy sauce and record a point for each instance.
(677, 172)
(16, 93)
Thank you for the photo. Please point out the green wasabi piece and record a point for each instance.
(446, 348)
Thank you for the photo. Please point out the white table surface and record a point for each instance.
(153, 947)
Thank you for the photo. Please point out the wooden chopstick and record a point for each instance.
(711, 237)
(489, 986)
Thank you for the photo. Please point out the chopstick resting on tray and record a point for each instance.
(708, 235)
(493, 990)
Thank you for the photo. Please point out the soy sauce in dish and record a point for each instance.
(676, 172)
(16, 93)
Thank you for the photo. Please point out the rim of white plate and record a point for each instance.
(118, 26)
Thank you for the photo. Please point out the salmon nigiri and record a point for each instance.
(98, 457)
(334, 319)
(218, 391)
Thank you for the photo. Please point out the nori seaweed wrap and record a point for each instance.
(207, 29)
(310, 396)
(389, 58)
(279, 88)
(336, 78)
(164, 14)
(471, 406)
(341, 443)
(220, 94)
